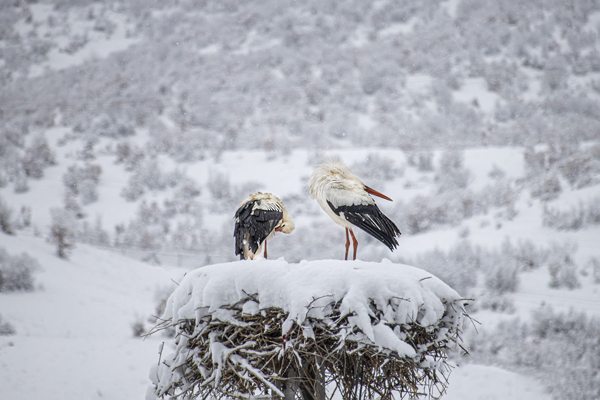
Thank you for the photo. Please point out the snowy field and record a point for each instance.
(136, 130)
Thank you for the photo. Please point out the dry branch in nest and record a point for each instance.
(246, 355)
(240, 351)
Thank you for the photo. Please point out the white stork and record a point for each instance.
(256, 221)
(346, 199)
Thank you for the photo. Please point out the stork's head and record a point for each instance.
(287, 224)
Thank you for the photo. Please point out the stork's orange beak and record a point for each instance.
(376, 193)
(278, 229)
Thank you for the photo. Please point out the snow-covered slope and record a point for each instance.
(74, 336)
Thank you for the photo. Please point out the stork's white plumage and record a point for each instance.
(256, 221)
(347, 200)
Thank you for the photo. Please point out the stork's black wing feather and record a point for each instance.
(254, 226)
(371, 220)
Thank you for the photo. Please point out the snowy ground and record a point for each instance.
(74, 337)
(480, 382)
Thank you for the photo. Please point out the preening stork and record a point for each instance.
(347, 200)
(256, 221)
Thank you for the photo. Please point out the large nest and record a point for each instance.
(253, 348)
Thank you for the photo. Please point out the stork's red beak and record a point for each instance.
(278, 229)
(376, 193)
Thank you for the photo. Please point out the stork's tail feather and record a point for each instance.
(371, 220)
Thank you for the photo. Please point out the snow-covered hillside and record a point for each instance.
(74, 336)
(129, 133)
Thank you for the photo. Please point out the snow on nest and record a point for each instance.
(357, 308)
(401, 293)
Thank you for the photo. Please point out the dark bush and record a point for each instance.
(6, 218)
(63, 228)
(562, 267)
(451, 173)
(547, 189)
(37, 157)
(16, 272)
(83, 182)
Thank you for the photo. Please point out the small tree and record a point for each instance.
(62, 231)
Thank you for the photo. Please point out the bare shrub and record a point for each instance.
(425, 162)
(6, 328)
(62, 231)
(579, 170)
(93, 234)
(6, 219)
(501, 269)
(555, 73)
(501, 194)
(547, 189)
(425, 213)
(496, 303)
(37, 157)
(563, 275)
(457, 267)
(16, 272)
(20, 181)
(87, 153)
(134, 189)
(574, 218)
(500, 76)
(149, 175)
(128, 154)
(188, 189)
(105, 125)
(502, 277)
(561, 264)
(219, 185)
(83, 182)
(594, 266)
(72, 205)
(451, 173)
(497, 173)
(593, 212)
(24, 218)
(527, 255)
(138, 327)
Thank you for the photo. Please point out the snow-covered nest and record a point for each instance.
(253, 328)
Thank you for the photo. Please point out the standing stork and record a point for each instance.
(256, 221)
(347, 200)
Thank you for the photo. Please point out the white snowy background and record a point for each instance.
(138, 128)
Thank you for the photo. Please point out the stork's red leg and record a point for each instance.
(354, 242)
(265, 248)
(347, 244)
